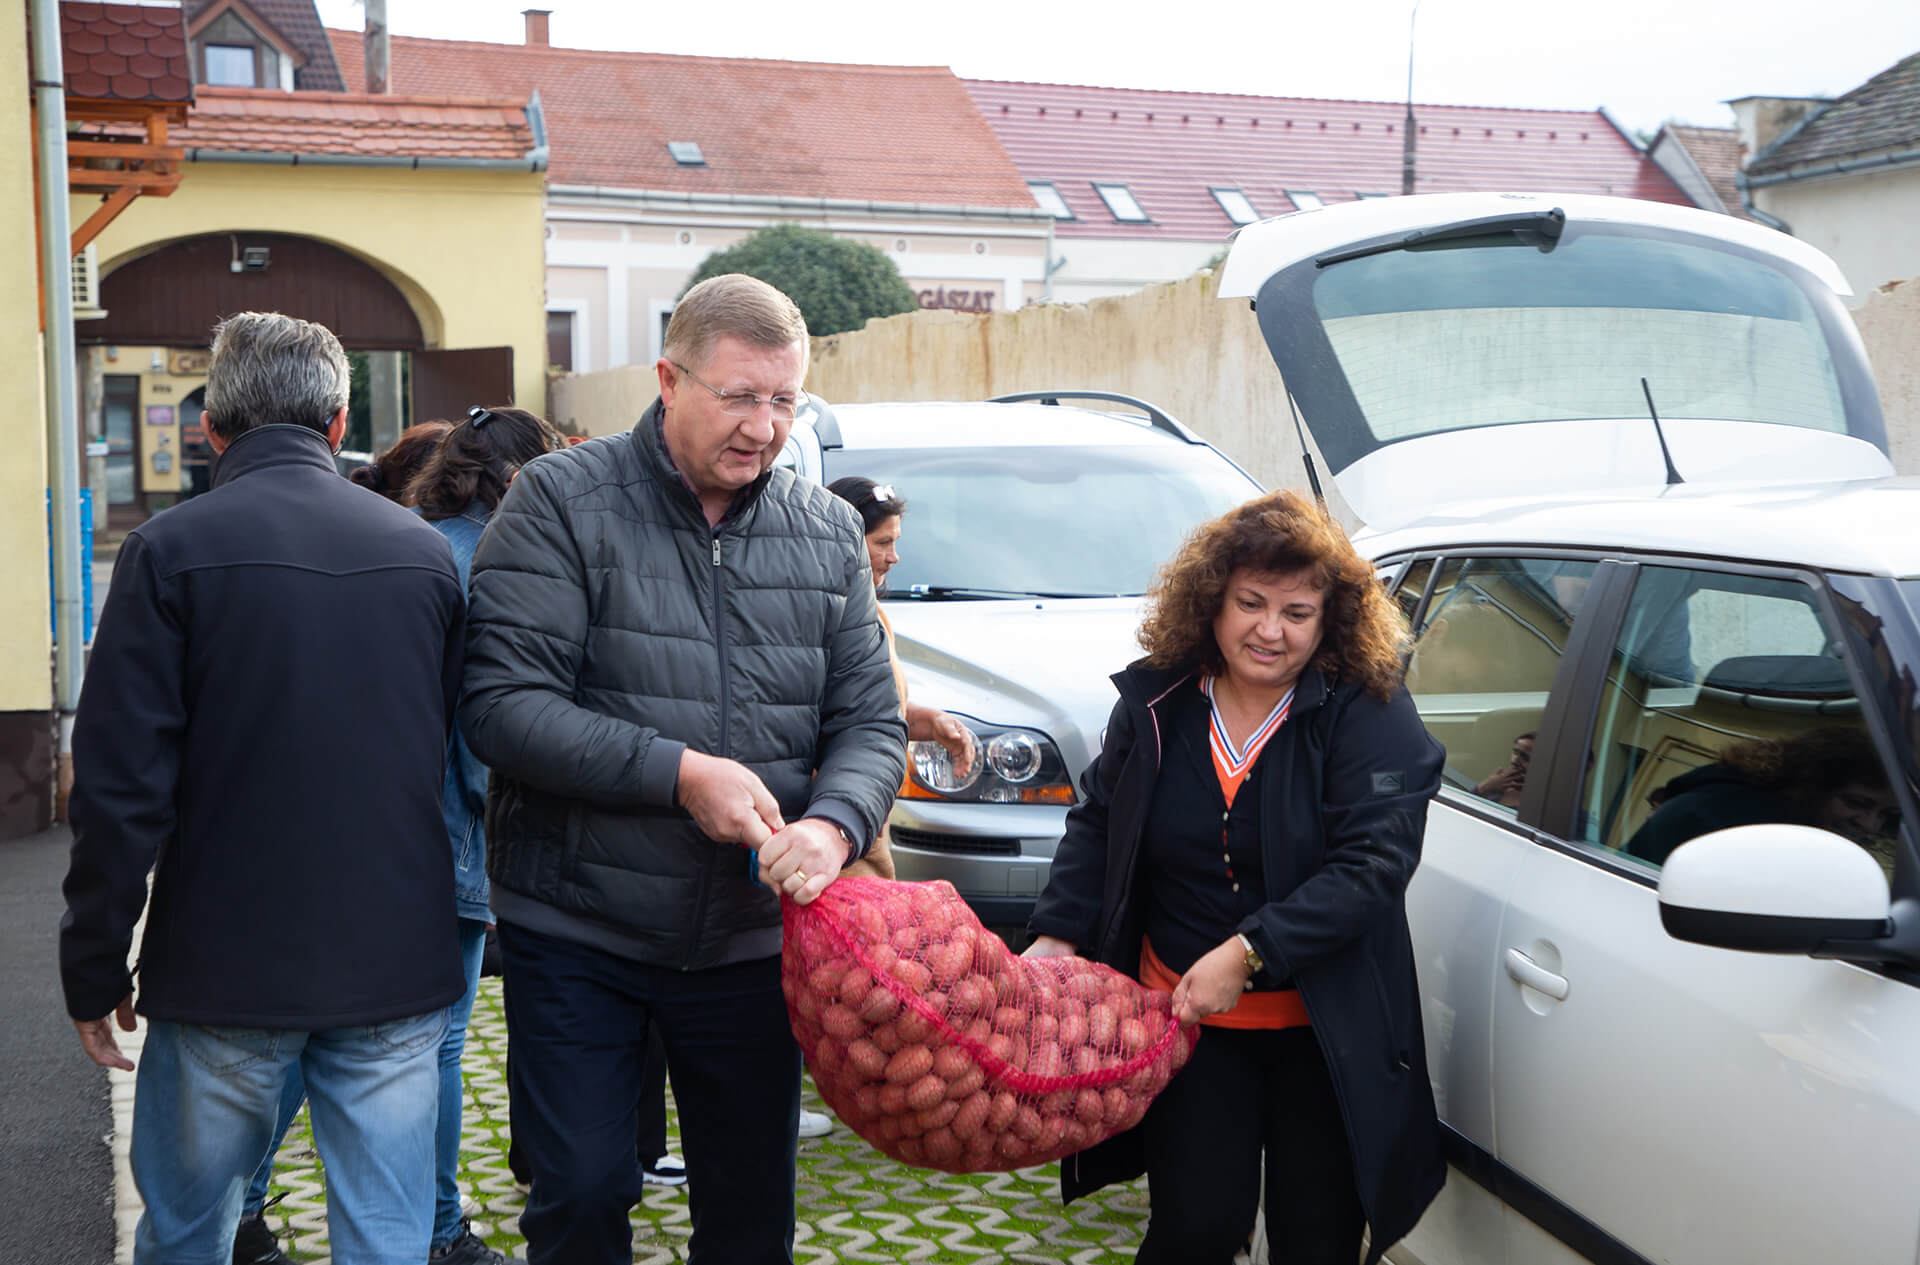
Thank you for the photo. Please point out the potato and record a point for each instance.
(893, 1101)
(829, 1055)
(971, 1115)
(1134, 1037)
(914, 1026)
(909, 1064)
(841, 1022)
(1087, 988)
(855, 985)
(1103, 1025)
(879, 1005)
(1073, 1028)
(887, 1037)
(1014, 1148)
(1045, 1061)
(916, 977)
(906, 941)
(867, 1059)
(966, 1083)
(910, 1150)
(1005, 1107)
(1086, 1060)
(825, 978)
(928, 1091)
(1089, 1107)
(931, 1118)
(941, 1146)
(969, 997)
(949, 962)
(1026, 1123)
(1116, 1107)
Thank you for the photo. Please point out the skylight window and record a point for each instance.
(1235, 204)
(1119, 200)
(1304, 199)
(1049, 199)
(1371, 195)
(687, 153)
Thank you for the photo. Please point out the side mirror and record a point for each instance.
(1780, 889)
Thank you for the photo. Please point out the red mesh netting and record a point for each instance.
(938, 1045)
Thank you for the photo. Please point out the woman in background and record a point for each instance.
(880, 509)
(456, 491)
(390, 472)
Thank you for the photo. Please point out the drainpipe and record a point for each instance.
(63, 427)
(1746, 202)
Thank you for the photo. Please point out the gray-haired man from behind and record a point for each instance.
(677, 674)
(264, 720)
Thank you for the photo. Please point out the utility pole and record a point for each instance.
(1406, 149)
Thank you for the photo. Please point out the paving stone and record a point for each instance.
(853, 1203)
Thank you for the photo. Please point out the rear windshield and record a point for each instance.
(1489, 330)
(989, 522)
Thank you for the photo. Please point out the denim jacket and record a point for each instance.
(463, 794)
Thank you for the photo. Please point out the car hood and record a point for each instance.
(1042, 664)
(1448, 349)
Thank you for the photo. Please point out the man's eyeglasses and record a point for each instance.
(745, 403)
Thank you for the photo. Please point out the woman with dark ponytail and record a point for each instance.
(392, 470)
(457, 491)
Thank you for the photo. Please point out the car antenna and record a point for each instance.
(1673, 476)
(1306, 453)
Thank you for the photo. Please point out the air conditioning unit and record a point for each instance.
(86, 286)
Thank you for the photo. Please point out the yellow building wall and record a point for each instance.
(26, 610)
(467, 248)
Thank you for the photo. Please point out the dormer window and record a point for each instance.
(229, 66)
(1120, 201)
(234, 47)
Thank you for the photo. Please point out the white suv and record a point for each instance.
(1625, 465)
(1032, 531)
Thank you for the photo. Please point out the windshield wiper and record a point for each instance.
(1545, 225)
(967, 593)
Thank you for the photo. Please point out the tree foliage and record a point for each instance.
(837, 284)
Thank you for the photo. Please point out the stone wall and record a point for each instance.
(1889, 324)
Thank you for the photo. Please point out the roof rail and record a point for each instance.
(1159, 417)
(826, 427)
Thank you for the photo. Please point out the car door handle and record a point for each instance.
(1534, 976)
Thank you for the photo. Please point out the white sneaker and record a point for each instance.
(665, 1171)
(815, 1124)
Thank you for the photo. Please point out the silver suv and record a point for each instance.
(1032, 532)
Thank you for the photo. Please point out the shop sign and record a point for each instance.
(957, 300)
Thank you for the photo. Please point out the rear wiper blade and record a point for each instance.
(1548, 225)
(962, 593)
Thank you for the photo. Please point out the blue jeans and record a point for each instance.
(292, 1094)
(578, 1022)
(446, 1133)
(205, 1104)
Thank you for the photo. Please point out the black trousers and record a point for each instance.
(1245, 1092)
(578, 1022)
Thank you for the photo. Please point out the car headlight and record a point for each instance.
(1010, 766)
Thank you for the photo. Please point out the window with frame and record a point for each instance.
(1047, 197)
(1484, 660)
(1120, 201)
(230, 66)
(1236, 205)
(1727, 704)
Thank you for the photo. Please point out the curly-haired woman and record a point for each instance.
(1245, 841)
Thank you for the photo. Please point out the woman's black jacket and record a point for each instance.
(1344, 792)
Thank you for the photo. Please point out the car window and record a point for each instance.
(1484, 661)
(1412, 585)
(1727, 704)
(1064, 521)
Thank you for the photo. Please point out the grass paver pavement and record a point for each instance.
(854, 1203)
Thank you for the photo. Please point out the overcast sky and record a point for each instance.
(1647, 61)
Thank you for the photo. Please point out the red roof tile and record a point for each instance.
(878, 133)
(1716, 152)
(254, 120)
(125, 52)
(1170, 148)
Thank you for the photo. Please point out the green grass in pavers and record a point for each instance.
(854, 1204)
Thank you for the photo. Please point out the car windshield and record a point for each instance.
(1489, 330)
(1027, 521)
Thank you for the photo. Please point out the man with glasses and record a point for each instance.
(678, 676)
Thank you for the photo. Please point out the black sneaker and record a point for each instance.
(467, 1248)
(665, 1171)
(255, 1244)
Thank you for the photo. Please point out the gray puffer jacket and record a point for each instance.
(609, 628)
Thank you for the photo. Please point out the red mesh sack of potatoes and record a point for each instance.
(936, 1043)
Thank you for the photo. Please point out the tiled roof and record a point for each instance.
(1716, 152)
(298, 23)
(797, 129)
(124, 52)
(1881, 114)
(258, 120)
(1169, 147)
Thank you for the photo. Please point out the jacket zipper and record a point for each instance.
(725, 751)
